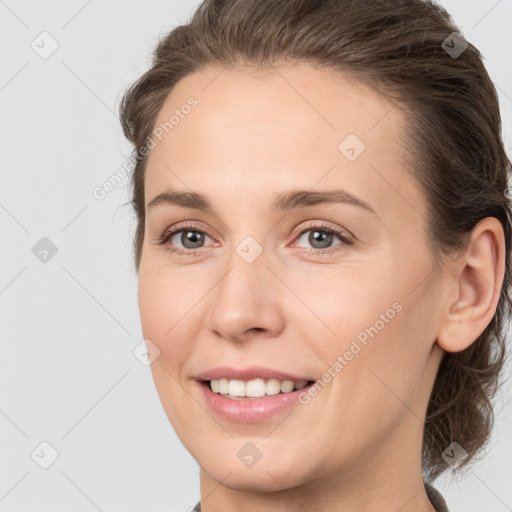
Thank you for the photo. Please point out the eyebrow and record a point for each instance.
(284, 201)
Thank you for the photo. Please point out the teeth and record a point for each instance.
(254, 388)
(236, 388)
(223, 386)
(287, 386)
(214, 384)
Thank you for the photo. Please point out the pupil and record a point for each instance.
(193, 237)
(322, 237)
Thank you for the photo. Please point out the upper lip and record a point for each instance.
(246, 374)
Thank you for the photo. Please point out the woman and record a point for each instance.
(323, 248)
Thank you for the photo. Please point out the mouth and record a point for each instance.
(235, 408)
(236, 389)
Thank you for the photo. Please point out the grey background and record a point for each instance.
(68, 375)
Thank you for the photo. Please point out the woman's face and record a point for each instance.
(310, 262)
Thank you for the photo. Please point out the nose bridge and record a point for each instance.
(244, 298)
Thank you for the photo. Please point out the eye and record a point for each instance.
(321, 237)
(190, 236)
(192, 239)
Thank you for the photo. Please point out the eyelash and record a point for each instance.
(190, 226)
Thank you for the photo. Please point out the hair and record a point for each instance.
(454, 147)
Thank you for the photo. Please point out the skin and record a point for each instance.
(254, 135)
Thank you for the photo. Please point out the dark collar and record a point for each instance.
(433, 494)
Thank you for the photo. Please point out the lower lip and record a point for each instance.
(249, 410)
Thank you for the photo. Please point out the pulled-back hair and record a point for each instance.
(454, 147)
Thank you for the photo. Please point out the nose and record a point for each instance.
(246, 302)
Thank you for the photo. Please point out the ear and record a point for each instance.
(474, 287)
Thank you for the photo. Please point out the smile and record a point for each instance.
(255, 388)
(246, 409)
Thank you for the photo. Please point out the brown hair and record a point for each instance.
(455, 150)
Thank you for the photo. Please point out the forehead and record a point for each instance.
(309, 99)
(286, 126)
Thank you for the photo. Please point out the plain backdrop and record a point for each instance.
(69, 318)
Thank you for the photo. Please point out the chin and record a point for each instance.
(269, 474)
(260, 481)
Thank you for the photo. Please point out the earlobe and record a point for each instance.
(476, 283)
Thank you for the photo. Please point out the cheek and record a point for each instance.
(388, 369)
(390, 376)
(346, 304)
(169, 320)
(167, 313)
(377, 334)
